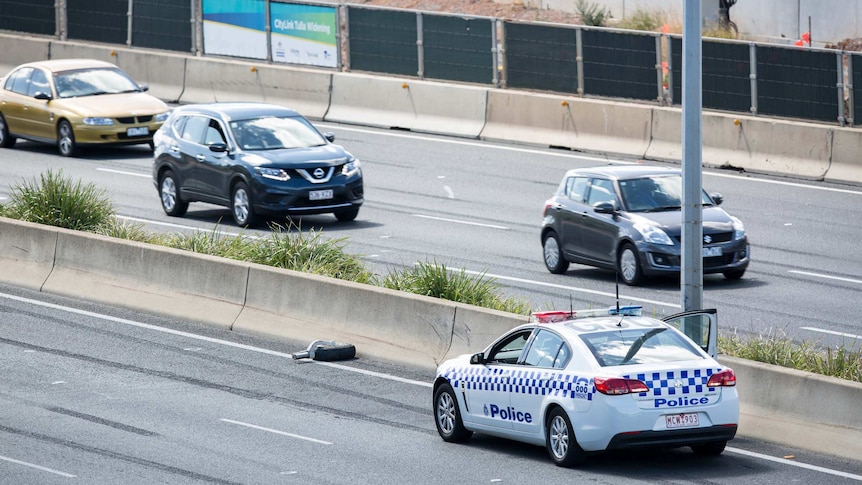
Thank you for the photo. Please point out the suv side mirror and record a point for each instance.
(218, 147)
(717, 198)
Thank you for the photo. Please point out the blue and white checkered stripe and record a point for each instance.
(664, 383)
(527, 381)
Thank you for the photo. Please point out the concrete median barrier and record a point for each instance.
(747, 143)
(150, 278)
(846, 163)
(15, 50)
(560, 121)
(27, 252)
(407, 104)
(477, 327)
(798, 409)
(383, 323)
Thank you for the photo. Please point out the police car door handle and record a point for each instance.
(547, 376)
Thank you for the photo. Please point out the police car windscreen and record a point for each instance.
(639, 346)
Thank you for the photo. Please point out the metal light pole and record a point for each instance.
(691, 278)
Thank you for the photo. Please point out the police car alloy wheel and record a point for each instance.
(447, 417)
(561, 443)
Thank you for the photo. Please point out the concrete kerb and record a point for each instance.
(382, 323)
(798, 409)
(422, 106)
(162, 72)
(560, 121)
(178, 283)
(27, 251)
(748, 143)
(18, 50)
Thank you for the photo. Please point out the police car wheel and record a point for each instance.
(709, 449)
(560, 440)
(447, 416)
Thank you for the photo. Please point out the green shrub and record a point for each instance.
(131, 231)
(435, 280)
(591, 14)
(56, 200)
(642, 20)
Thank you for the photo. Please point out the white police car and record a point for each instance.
(588, 381)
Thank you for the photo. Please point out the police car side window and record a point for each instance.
(545, 351)
(509, 350)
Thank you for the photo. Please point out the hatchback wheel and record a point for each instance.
(171, 202)
(553, 255)
(66, 140)
(241, 206)
(447, 417)
(6, 140)
(629, 266)
(560, 440)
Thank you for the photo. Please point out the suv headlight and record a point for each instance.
(351, 167)
(652, 234)
(273, 173)
(98, 121)
(738, 228)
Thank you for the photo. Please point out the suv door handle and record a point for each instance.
(200, 157)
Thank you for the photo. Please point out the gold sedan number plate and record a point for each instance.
(139, 131)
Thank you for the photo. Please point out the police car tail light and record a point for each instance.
(616, 385)
(725, 378)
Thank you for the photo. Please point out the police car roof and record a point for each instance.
(580, 326)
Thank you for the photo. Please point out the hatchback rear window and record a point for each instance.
(639, 346)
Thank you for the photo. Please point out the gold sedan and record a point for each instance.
(76, 102)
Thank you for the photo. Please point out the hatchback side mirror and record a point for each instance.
(477, 358)
(605, 207)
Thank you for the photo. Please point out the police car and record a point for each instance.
(594, 380)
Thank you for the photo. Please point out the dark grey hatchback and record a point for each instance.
(629, 219)
(257, 159)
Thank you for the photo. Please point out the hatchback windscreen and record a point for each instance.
(272, 133)
(89, 82)
(628, 346)
(655, 194)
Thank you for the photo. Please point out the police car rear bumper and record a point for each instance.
(672, 438)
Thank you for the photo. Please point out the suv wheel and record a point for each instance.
(241, 206)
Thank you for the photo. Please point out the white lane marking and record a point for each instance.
(575, 289)
(180, 226)
(44, 469)
(832, 332)
(456, 221)
(779, 182)
(785, 461)
(121, 172)
(208, 339)
(471, 143)
(818, 275)
(334, 366)
(270, 430)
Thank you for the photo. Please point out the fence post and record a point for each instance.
(267, 28)
(659, 70)
(420, 49)
(197, 28)
(129, 24)
(345, 12)
(501, 67)
(669, 43)
(848, 86)
(579, 58)
(752, 59)
(840, 88)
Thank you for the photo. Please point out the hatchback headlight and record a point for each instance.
(161, 117)
(738, 228)
(652, 234)
(273, 173)
(351, 167)
(98, 121)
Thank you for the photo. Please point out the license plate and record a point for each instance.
(320, 194)
(712, 252)
(139, 131)
(685, 420)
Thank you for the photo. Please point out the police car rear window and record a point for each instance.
(639, 346)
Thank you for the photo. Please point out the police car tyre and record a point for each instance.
(734, 275)
(347, 215)
(553, 255)
(329, 353)
(629, 265)
(6, 140)
(447, 416)
(560, 440)
(714, 448)
(170, 196)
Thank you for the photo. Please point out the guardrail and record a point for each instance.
(749, 143)
(785, 406)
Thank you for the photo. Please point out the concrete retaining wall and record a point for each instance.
(793, 408)
(578, 124)
(408, 104)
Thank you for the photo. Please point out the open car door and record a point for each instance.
(700, 326)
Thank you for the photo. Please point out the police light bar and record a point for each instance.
(554, 316)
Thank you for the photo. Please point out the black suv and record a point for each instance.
(256, 159)
(629, 219)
